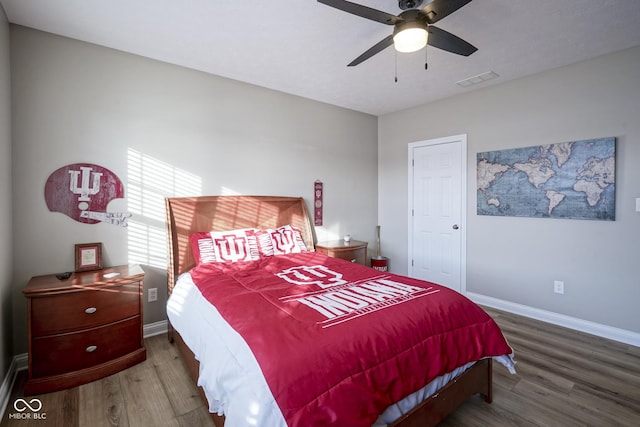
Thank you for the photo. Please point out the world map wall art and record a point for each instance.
(574, 180)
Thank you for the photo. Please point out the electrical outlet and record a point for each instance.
(152, 294)
(558, 287)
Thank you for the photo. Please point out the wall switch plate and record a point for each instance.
(152, 294)
(637, 204)
(558, 287)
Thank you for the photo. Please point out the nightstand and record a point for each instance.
(84, 328)
(354, 250)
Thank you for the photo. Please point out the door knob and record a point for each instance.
(455, 226)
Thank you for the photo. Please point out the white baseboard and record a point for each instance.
(604, 331)
(21, 362)
(157, 328)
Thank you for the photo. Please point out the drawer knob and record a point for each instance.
(91, 310)
(353, 260)
(91, 348)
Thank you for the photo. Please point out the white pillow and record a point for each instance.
(235, 245)
(280, 241)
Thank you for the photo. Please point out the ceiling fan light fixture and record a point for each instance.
(410, 36)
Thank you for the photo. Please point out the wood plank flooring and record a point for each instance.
(565, 378)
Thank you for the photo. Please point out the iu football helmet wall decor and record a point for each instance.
(82, 191)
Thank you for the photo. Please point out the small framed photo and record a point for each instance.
(88, 256)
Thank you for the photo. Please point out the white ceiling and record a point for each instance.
(302, 47)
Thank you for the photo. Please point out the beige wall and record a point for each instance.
(167, 130)
(517, 259)
(6, 254)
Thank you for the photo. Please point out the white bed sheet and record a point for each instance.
(230, 375)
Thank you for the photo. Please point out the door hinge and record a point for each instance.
(411, 263)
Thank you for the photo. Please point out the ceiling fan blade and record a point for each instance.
(438, 9)
(446, 41)
(378, 47)
(362, 11)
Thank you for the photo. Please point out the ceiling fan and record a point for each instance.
(413, 28)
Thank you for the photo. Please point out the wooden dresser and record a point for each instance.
(83, 328)
(354, 250)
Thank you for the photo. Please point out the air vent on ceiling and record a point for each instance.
(477, 79)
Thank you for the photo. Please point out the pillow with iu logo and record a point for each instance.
(235, 245)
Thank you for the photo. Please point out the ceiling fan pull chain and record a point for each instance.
(396, 65)
(426, 65)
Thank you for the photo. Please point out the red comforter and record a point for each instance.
(338, 342)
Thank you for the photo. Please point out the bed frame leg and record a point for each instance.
(488, 395)
(170, 333)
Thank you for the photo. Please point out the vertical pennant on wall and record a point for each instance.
(317, 202)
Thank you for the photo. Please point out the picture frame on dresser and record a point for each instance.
(88, 256)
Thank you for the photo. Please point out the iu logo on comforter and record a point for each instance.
(318, 275)
(338, 300)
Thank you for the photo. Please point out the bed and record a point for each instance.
(209, 291)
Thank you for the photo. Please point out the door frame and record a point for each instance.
(462, 139)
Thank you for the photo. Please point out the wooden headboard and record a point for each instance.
(187, 215)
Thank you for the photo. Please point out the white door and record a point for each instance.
(437, 207)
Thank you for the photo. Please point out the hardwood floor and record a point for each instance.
(565, 378)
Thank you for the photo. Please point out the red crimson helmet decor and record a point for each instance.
(82, 191)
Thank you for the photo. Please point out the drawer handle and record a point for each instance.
(91, 348)
(91, 310)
